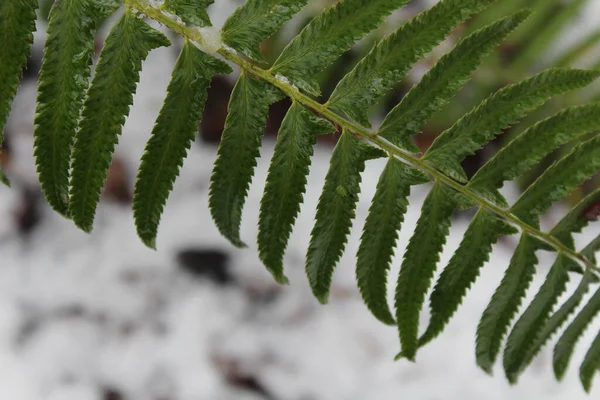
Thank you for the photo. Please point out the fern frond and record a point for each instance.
(498, 112)
(558, 181)
(255, 21)
(62, 85)
(522, 338)
(17, 24)
(444, 81)
(389, 61)
(286, 182)
(566, 344)
(419, 264)
(463, 269)
(505, 303)
(327, 36)
(336, 211)
(531, 146)
(575, 220)
(237, 154)
(556, 321)
(105, 110)
(590, 365)
(191, 11)
(380, 234)
(173, 133)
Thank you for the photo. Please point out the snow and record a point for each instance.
(83, 314)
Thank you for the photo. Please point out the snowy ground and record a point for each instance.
(95, 317)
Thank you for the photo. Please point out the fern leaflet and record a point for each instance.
(380, 234)
(285, 185)
(505, 303)
(419, 264)
(444, 81)
(390, 60)
(336, 210)
(63, 81)
(498, 112)
(237, 154)
(105, 110)
(191, 11)
(172, 136)
(17, 23)
(327, 36)
(255, 21)
(463, 270)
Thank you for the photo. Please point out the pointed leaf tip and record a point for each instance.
(285, 186)
(105, 109)
(172, 135)
(238, 152)
(336, 211)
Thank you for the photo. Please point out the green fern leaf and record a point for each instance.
(590, 250)
(237, 154)
(390, 60)
(63, 81)
(575, 220)
(255, 21)
(553, 324)
(567, 342)
(531, 146)
(591, 364)
(286, 182)
(327, 36)
(419, 264)
(17, 23)
(498, 112)
(105, 110)
(191, 11)
(558, 181)
(380, 234)
(505, 303)
(522, 338)
(173, 133)
(3, 178)
(336, 210)
(444, 81)
(463, 270)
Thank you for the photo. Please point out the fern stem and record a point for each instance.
(193, 34)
